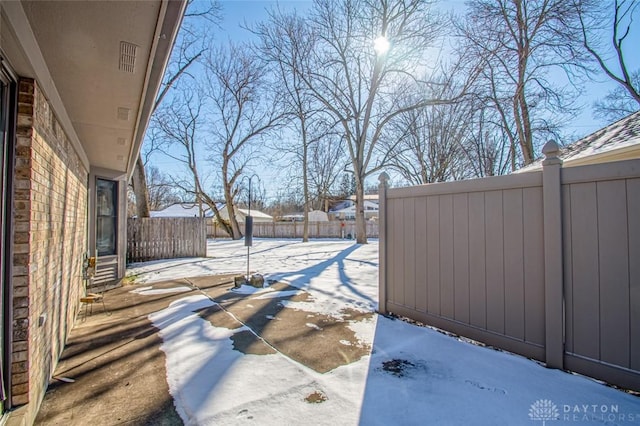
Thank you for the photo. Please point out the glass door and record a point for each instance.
(7, 124)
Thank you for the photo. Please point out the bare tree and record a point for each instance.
(162, 192)
(326, 163)
(487, 147)
(242, 111)
(285, 43)
(426, 144)
(612, 57)
(189, 49)
(428, 149)
(518, 44)
(180, 123)
(617, 103)
(363, 89)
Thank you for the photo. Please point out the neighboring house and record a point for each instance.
(184, 210)
(615, 142)
(371, 211)
(318, 216)
(292, 217)
(257, 215)
(78, 81)
(314, 216)
(346, 210)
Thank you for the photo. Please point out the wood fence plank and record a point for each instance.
(477, 265)
(446, 256)
(533, 235)
(433, 255)
(567, 256)
(584, 247)
(614, 271)
(409, 250)
(514, 263)
(633, 216)
(461, 257)
(421, 253)
(397, 253)
(391, 263)
(495, 261)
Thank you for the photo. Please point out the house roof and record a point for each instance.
(617, 141)
(254, 213)
(351, 209)
(370, 197)
(183, 210)
(193, 210)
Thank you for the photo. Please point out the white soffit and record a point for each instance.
(83, 43)
(21, 46)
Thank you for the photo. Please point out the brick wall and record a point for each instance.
(50, 205)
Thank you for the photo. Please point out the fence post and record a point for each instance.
(553, 279)
(382, 243)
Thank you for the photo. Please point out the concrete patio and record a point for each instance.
(308, 349)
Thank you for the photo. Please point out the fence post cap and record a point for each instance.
(383, 178)
(551, 151)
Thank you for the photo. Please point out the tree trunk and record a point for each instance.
(231, 211)
(361, 224)
(139, 182)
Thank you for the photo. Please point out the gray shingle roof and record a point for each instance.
(623, 133)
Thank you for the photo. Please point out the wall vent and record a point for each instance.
(123, 113)
(127, 56)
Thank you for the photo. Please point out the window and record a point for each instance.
(107, 216)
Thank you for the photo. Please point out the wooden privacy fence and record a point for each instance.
(544, 264)
(165, 238)
(331, 229)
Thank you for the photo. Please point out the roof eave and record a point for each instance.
(169, 20)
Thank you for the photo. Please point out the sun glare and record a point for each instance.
(381, 45)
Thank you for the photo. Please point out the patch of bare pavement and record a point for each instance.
(112, 370)
(319, 341)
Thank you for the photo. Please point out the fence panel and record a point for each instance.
(601, 228)
(330, 229)
(165, 238)
(512, 260)
(456, 260)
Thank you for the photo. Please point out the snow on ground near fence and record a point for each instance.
(338, 273)
(415, 375)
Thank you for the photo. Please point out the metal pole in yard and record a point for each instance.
(248, 229)
(246, 222)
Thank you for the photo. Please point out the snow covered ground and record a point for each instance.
(414, 375)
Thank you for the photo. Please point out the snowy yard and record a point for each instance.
(409, 375)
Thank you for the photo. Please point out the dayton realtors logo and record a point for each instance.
(545, 410)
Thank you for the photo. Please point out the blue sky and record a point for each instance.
(237, 13)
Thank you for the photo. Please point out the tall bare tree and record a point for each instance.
(426, 144)
(363, 88)
(241, 112)
(617, 103)
(616, 18)
(487, 147)
(181, 124)
(162, 192)
(518, 44)
(326, 162)
(285, 42)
